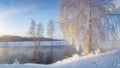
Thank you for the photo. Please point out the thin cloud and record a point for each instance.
(14, 10)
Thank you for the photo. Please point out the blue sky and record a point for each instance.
(16, 15)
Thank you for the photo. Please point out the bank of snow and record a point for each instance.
(105, 60)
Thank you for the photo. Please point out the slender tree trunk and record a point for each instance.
(88, 47)
(35, 49)
(89, 41)
(51, 46)
(35, 42)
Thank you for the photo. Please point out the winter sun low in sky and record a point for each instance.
(16, 15)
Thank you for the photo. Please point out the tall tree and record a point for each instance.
(39, 35)
(36, 32)
(32, 33)
(50, 33)
(85, 22)
(50, 28)
(39, 32)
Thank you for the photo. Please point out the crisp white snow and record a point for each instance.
(105, 60)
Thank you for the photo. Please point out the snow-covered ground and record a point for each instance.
(106, 60)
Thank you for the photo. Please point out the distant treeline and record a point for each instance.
(19, 38)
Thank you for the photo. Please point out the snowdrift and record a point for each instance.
(105, 60)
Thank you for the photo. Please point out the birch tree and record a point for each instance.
(36, 32)
(50, 33)
(32, 33)
(39, 32)
(50, 29)
(39, 35)
(87, 22)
